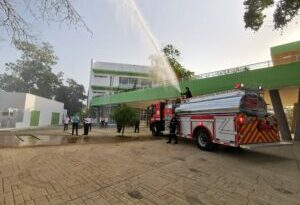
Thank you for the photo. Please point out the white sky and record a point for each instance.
(209, 34)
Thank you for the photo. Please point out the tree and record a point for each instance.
(124, 116)
(285, 12)
(72, 95)
(32, 73)
(171, 55)
(13, 16)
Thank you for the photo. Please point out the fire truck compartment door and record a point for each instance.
(185, 126)
(225, 129)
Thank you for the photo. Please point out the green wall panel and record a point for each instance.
(294, 46)
(34, 118)
(125, 73)
(55, 118)
(269, 78)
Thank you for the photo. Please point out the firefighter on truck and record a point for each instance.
(236, 118)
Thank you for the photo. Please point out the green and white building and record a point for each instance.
(108, 78)
(24, 110)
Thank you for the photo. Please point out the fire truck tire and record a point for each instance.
(155, 130)
(203, 140)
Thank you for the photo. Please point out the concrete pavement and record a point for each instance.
(148, 172)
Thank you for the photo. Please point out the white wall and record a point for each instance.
(27, 103)
(45, 106)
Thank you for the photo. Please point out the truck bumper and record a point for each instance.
(262, 145)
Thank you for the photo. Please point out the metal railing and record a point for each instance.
(238, 69)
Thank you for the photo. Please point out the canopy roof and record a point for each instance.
(270, 78)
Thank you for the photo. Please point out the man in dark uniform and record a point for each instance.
(188, 93)
(85, 126)
(137, 126)
(173, 127)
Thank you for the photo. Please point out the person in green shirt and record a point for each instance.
(75, 121)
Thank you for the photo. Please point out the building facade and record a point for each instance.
(24, 110)
(109, 78)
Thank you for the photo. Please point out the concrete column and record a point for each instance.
(281, 117)
(297, 118)
(98, 114)
(294, 118)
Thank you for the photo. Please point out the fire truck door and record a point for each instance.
(225, 129)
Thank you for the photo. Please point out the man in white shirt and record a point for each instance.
(66, 122)
(89, 122)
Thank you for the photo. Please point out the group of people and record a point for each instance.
(87, 122)
(75, 120)
(104, 121)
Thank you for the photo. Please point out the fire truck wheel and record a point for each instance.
(154, 130)
(203, 140)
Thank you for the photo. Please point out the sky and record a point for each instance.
(210, 35)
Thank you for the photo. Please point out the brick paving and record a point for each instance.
(148, 172)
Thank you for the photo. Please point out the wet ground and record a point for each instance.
(55, 136)
(138, 169)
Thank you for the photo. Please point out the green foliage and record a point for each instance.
(72, 95)
(285, 11)
(124, 116)
(172, 55)
(32, 73)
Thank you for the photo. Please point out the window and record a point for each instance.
(5, 113)
(100, 76)
(145, 83)
(128, 81)
(123, 80)
(99, 92)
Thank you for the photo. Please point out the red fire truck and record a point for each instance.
(235, 118)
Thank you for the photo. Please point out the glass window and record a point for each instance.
(100, 76)
(145, 83)
(123, 80)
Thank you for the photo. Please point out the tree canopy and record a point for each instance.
(15, 17)
(170, 55)
(173, 55)
(32, 73)
(285, 12)
(72, 94)
(124, 116)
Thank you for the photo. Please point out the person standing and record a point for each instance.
(188, 93)
(102, 121)
(105, 121)
(137, 126)
(86, 126)
(75, 121)
(66, 122)
(173, 127)
(89, 122)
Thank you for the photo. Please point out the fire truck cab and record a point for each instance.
(234, 118)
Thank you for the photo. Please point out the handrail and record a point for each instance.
(264, 64)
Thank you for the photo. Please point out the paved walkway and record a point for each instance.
(148, 172)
